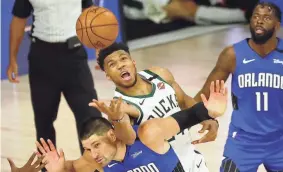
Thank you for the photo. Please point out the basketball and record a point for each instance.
(97, 27)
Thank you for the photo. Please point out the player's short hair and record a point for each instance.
(94, 125)
(103, 53)
(272, 7)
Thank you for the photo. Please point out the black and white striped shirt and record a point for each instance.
(54, 20)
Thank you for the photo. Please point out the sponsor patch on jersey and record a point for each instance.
(161, 85)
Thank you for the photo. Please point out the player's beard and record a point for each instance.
(261, 39)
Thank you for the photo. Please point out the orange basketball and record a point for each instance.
(97, 27)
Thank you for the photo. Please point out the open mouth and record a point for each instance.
(259, 30)
(125, 76)
(99, 160)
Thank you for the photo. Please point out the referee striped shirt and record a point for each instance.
(54, 20)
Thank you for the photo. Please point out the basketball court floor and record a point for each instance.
(190, 60)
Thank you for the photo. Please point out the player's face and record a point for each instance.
(102, 148)
(121, 69)
(263, 24)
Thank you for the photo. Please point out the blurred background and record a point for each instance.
(145, 18)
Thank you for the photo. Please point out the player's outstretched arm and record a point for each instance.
(185, 101)
(224, 66)
(29, 166)
(154, 133)
(119, 118)
(129, 109)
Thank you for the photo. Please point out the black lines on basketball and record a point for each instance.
(94, 10)
(87, 30)
(100, 25)
(99, 44)
(89, 27)
(81, 24)
(105, 25)
(99, 35)
(95, 17)
(98, 15)
(81, 28)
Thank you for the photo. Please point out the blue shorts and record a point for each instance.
(245, 152)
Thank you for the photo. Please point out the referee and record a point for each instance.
(58, 62)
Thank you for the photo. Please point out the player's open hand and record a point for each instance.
(113, 111)
(217, 102)
(100, 105)
(28, 167)
(53, 160)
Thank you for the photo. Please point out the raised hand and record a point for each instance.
(53, 164)
(28, 167)
(217, 102)
(54, 161)
(45, 150)
(124, 107)
(113, 111)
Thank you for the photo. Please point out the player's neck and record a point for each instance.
(141, 87)
(121, 151)
(264, 49)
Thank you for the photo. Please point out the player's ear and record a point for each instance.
(111, 135)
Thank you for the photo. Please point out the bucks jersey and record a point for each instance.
(257, 87)
(161, 103)
(139, 158)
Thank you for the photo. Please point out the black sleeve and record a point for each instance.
(86, 3)
(22, 8)
(189, 117)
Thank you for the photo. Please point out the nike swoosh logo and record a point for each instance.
(248, 61)
(141, 103)
(199, 164)
(112, 165)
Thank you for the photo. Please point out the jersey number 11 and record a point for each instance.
(261, 98)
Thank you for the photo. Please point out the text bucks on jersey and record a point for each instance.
(160, 103)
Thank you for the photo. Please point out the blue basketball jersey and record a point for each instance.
(257, 88)
(140, 158)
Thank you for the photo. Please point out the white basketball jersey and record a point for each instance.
(160, 103)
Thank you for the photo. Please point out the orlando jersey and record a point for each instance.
(139, 158)
(161, 103)
(257, 88)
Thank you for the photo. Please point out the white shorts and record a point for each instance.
(191, 159)
(198, 163)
